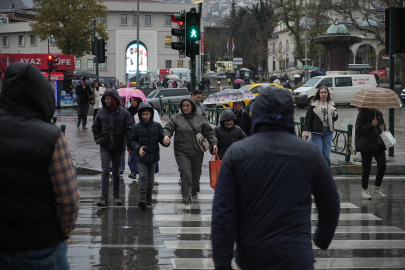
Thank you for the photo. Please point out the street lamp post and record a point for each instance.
(306, 42)
(137, 45)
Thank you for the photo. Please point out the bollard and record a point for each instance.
(302, 121)
(349, 142)
(63, 128)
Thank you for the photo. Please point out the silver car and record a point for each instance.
(172, 94)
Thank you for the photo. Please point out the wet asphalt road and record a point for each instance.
(370, 235)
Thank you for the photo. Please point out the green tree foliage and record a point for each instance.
(70, 22)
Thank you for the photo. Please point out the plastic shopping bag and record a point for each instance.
(214, 166)
(388, 139)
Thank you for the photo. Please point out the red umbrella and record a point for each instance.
(239, 81)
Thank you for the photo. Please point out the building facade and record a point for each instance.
(154, 36)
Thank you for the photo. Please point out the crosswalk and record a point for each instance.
(178, 239)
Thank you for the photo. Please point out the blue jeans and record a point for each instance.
(54, 258)
(324, 142)
(132, 163)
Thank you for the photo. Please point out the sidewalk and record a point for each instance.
(86, 155)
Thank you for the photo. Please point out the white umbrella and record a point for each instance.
(172, 76)
(297, 76)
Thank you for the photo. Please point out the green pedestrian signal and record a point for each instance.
(193, 34)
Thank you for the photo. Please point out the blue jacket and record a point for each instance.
(148, 134)
(263, 195)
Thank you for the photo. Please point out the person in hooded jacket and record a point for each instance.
(133, 110)
(243, 117)
(145, 138)
(110, 129)
(262, 199)
(227, 132)
(84, 96)
(287, 84)
(39, 196)
(187, 152)
(369, 125)
(320, 120)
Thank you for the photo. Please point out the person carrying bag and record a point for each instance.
(214, 166)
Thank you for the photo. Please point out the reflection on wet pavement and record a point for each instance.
(370, 235)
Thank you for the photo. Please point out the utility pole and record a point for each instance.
(95, 42)
(306, 42)
(392, 73)
(137, 46)
(49, 71)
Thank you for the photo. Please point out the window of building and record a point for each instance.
(168, 41)
(148, 19)
(287, 46)
(124, 19)
(103, 65)
(286, 62)
(103, 20)
(179, 63)
(280, 46)
(134, 19)
(78, 63)
(168, 64)
(5, 41)
(21, 40)
(90, 64)
(33, 40)
(274, 65)
(168, 20)
(274, 48)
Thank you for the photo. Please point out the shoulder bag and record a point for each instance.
(201, 140)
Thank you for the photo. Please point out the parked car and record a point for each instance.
(342, 88)
(172, 94)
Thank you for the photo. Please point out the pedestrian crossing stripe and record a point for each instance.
(204, 217)
(320, 263)
(336, 244)
(339, 230)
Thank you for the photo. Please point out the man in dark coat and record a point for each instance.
(39, 198)
(263, 198)
(243, 117)
(83, 102)
(112, 125)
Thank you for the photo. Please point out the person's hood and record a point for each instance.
(273, 110)
(194, 109)
(112, 92)
(142, 107)
(25, 91)
(227, 115)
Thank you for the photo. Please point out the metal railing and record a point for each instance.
(168, 108)
(53, 122)
(213, 114)
(342, 140)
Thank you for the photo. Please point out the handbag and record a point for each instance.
(93, 99)
(214, 166)
(388, 139)
(201, 140)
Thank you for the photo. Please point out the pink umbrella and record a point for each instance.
(238, 81)
(129, 92)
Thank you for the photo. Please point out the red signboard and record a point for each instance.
(380, 73)
(202, 42)
(65, 61)
(55, 76)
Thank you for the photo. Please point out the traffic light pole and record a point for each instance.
(95, 45)
(391, 112)
(193, 74)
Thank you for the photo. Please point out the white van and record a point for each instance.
(342, 88)
(184, 73)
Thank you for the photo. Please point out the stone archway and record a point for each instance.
(366, 54)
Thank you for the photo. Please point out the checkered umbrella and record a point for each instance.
(376, 97)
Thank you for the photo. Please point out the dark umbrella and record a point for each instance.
(85, 74)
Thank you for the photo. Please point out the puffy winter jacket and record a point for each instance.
(185, 143)
(227, 136)
(313, 122)
(110, 129)
(263, 198)
(148, 134)
(366, 135)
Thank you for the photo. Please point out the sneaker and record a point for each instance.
(131, 175)
(84, 127)
(117, 199)
(187, 207)
(149, 199)
(103, 202)
(142, 205)
(365, 195)
(195, 198)
(377, 192)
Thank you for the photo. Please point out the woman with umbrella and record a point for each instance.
(369, 125)
(97, 90)
(319, 120)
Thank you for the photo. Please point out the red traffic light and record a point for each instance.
(178, 18)
(50, 57)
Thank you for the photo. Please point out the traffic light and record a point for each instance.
(192, 32)
(101, 50)
(52, 62)
(179, 32)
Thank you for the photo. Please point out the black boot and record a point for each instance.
(149, 199)
(78, 122)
